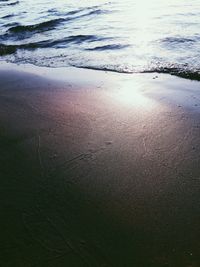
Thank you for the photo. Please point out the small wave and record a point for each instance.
(81, 12)
(8, 16)
(52, 10)
(107, 47)
(186, 73)
(177, 40)
(88, 14)
(177, 71)
(57, 12)
(9, 4)
(7, 49)
(47, 25)
(36, 27)
(69, 13)
(73, 12)
(76, 39)
(11, 24)
(97, 12)
(13, 3)
(60, 43)
(7, 25)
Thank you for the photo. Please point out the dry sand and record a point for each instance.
(98, 169)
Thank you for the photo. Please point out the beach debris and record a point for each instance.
(155, 77)
(108, 143)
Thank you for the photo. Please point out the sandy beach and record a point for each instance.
(98, 168)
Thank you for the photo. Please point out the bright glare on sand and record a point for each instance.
(131, 94)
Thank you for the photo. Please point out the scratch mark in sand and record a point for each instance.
(144, 144)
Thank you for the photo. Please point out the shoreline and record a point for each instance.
(98, 169)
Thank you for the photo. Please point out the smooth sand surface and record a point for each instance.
(98, 169)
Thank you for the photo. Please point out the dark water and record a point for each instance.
(122, 36)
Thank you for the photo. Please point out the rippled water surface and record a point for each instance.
(124, 36)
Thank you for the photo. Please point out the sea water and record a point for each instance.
(124, 36)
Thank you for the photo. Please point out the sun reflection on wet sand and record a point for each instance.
(132, 93)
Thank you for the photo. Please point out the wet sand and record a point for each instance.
(98, 169)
